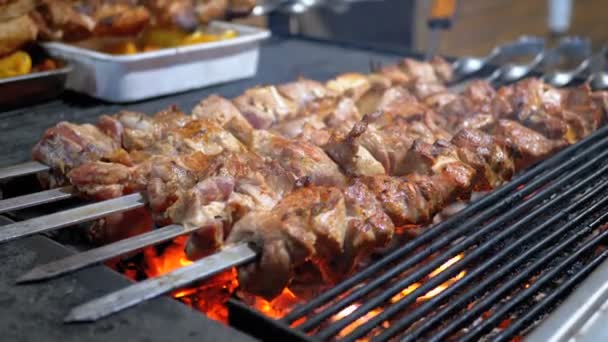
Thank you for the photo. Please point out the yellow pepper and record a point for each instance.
(229, 34)
(163, 37)
(199, 37)
(15, 64)
(123, 48)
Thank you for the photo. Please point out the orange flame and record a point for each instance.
(277, 307)
(210, 296)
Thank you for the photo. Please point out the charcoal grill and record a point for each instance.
(517, 252)
(526, 246)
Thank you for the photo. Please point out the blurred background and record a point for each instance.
(478, 25)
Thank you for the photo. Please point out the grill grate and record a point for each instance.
(523, 247)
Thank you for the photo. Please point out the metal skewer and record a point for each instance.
(23, 169)
(71, 216)
(94, 256)
(37, 198)
(139, 292)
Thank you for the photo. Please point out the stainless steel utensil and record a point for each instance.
(523, 46)
(578, 48)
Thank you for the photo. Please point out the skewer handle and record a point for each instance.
(23, 169)
(151, 288)
(94, 256)
(70, 217)
(34, 199)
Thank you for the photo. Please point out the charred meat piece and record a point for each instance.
(264, 106)
(137, 131)
(66, 146)
(309, 223)
(306, 162)
(182, 150)
(492, 157)
(441, 158)
(327, 229)
(379, 143)
(529, 145)
(224, 113)
(254, 185)
(348, 152)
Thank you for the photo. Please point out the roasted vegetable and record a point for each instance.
(15, 64)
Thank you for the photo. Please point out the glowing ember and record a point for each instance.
(434, 292)
(446, 265)
(276, 308)
(209, 296)
(360, 321)
(405, 292)
(171, 258)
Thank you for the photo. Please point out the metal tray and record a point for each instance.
(34, 87)
(150, 74)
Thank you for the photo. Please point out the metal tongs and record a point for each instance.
(524, 46)
(572, 49)
(528, 47)
(599, 76)
(592, 69)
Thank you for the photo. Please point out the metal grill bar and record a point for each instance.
(24, 169)
(37, 198)
(518, 280)
(556, 294)
(556, 165)
(480, 270)
(460, 265)
(337, 326)
(70, 217)
(526, 293)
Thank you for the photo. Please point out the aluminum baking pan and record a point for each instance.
(128, 78)
(33, 87)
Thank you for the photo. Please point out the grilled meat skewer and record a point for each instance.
(68, 145)
(445, 178)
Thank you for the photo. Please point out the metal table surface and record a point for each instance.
(34, 312)
(281, 60)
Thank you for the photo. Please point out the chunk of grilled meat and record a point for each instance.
(224, 113)
(312, 223)
(184, 148)
(68, 145)
(16, 32)
(287, 105)
(264, 106)
(137, 131)
(76, 20)
(558, 114)
(378, 144)
(530, 145)
(306, 162)
(256, 184)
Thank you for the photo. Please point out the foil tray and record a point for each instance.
(31, 88)
(128, 78)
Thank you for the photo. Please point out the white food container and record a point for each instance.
(127, 78)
